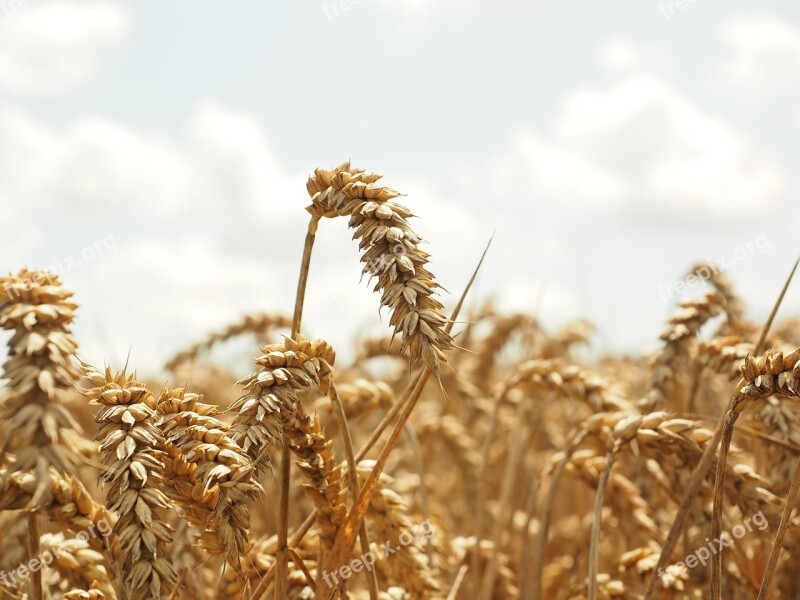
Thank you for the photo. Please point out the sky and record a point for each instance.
(155, 155)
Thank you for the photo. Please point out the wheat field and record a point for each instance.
(468, 454)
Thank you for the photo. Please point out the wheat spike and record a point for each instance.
(391, 253)
(133, 457)
(675, 356)
(314, 451)
(224, 471)
(285, 369)
(76, 562)
(40, 370)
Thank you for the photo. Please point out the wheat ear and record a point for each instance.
(734, 307)
(271, 394)
(133, 459)
(78, 564)
(391, 252)
(285, 369)
(91, 594)
(224, 471)
(39, 369)
(316, 461)
(675, 356)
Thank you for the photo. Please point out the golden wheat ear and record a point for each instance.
(391, 254)
(132, 446)
(271, 392)
(323, 473)
(222, 476)
(40, 370)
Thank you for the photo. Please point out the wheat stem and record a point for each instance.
(503, 511)
(527, 543)
(423, 492)
(33, 552)
(533, 581)
(282, 577)
(371, 575)
(299, 301)
(716, 515)
(777, 544)
(689, 495)
(462, 572)
(597, 521)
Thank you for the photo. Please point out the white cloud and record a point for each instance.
(155, 294)
(50, 47)
(244, 167)
(101, 167)
(537, 168)
(675, 156)
(92, 165)
(174, 209)
(412, 9)
(641, 145)
(623, 56)
(765, 55)
(419, 11)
